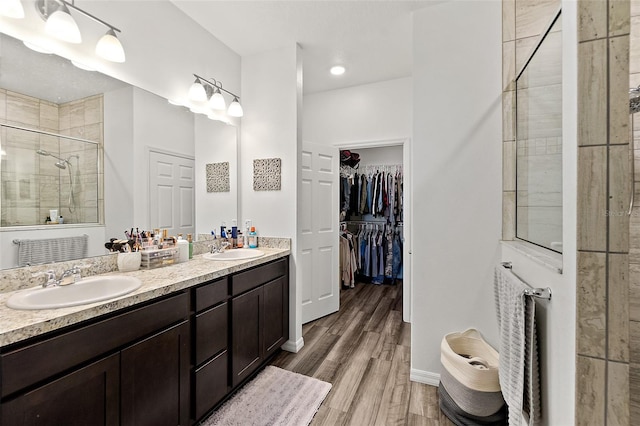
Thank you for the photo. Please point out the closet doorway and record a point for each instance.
(377, 218)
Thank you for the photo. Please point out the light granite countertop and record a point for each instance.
(18, 325)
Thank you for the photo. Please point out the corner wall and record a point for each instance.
(456, 175)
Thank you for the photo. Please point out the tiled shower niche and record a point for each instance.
(50, 160)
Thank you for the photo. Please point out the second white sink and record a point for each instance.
(87, 290)
(235, 254)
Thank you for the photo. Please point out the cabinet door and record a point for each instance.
(155, 379)
(246, 334)
(88, 396)
(276, 318)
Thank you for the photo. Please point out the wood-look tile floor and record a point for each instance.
(364, 351)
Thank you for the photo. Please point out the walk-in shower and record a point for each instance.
(65, 163)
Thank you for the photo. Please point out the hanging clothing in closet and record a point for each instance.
(348, 260)
(378, 194)
(379, 254)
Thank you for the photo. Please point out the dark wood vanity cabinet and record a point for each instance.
(259, 317)
(131, 368)
(166, 362)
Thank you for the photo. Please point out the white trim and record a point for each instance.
(293, 347)
(426, 377)
(372, 144)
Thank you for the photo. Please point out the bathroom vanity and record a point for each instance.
(166, 360)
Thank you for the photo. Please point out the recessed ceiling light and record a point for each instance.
(337, 70)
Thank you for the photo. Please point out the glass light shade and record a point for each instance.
(197, 92)
(37, 48)
(217, 101)
(110, 48)
(11, 9)
(235, 109)
(82, 66)
(62, 26)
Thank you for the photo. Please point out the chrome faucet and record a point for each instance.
(69, 276)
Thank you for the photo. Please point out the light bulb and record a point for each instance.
(217, 101)
(337, 70)
(235, 109)
(110, 48)
(11, 9)
(197, 92)
(62, 26)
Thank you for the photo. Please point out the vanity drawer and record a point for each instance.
(212, 293)
(211, 384)
(211, 332)
(255, 277)
(30, 364)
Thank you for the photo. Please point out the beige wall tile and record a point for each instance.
(592, 198)
(533, 17)
(619, 198)
(634, 342)
(64, 113)
(23, 109)
(592, 93)
(508, 20)
(619, 90)
(524, 49)
(634, 391)
(618, 300)
(508, 117)
(635, 8)
(3, 105)
(93, 110)
(619, 13)
(49, 117)
(509, 166)
(634, 42)
(508, 215)
(617, 394)
(592, 19)
(590, 391)
(591, 304)
(634, 292)
(508, 65)
(76, 114)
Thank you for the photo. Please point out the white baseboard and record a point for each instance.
(294, 347)
(426, 377)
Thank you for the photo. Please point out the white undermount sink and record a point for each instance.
(235, 254)
(87, 290)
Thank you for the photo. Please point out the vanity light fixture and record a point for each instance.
(82, 66)
(60, 24)
(37, 48)
(11, 9)
(202, 88)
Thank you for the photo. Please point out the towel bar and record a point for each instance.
(540, 293)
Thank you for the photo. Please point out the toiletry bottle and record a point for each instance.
(183, 249)
(190, 241)
(223, 230)
(240, 240)
(247, 229)
(234, 234)
(253, 238)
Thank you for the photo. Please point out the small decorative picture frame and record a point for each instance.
(218, 177)
(267, 174)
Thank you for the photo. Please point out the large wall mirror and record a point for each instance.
(71, 140)
(539, 143)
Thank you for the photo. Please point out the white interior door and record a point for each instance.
(318, 216)
(171, 193)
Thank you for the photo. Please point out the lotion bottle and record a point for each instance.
(183, 249)
(190, 241)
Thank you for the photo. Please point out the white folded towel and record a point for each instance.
(519, 375)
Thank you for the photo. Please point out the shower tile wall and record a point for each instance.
(31, 184)
(604, 385)
(634, 227)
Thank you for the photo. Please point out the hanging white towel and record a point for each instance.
(519, 375)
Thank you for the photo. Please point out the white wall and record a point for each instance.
(370, 112)
(557, 318)
(215, 142)
(456, 175)
(271, 129)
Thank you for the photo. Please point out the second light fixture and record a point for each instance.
(203, 90)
